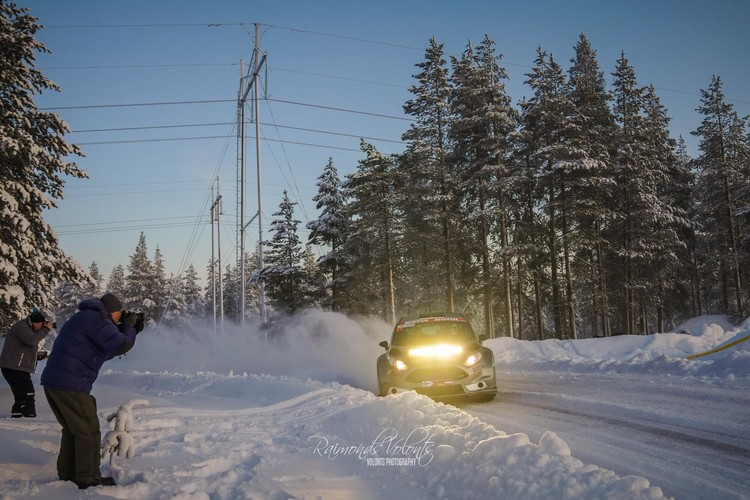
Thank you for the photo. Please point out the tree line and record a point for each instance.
(571, 213)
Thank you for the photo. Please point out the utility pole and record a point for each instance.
(261, 285)
(213, 268)
(252, 83)
(216, 263)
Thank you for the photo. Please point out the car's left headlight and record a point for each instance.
(397, 364)
(473, 359)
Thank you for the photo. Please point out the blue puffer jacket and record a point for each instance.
(86, 341)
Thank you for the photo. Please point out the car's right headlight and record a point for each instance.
(473, 359)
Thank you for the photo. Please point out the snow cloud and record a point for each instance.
(313, 344)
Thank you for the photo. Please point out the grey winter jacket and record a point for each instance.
(21, 345)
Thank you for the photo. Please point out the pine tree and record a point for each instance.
(370, 189)
(117, 284)
(194, 302)
(594, 188)
(330, 231)
(557, 160)
(430, 200)
(33, 157)
(314, 281)
(175, 314)
(668, 212)
(482, 126)
(231, 282)
(67, 297)
(138, 283)
(643, 159)
(94, 288)
(68, 294)
(282, 274)
(160, 288)
(723, 171)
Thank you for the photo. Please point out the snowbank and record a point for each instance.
(230, 416)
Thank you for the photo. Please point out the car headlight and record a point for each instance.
(441, 351)
(473, 359)
(397, 364)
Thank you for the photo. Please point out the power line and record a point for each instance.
(196, 125)
(344, 110)
(130, 105)
(136, 66)
(138, 227)
(170, 139)
(123, 221)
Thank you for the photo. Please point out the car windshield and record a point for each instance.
(420, 332)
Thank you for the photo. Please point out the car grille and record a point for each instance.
(446, 390)
(447, 373)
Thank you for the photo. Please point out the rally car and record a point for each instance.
(438, 355)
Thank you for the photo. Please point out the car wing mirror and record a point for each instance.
(384, 344)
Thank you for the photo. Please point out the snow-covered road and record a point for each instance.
(686, 435)
(233, 417)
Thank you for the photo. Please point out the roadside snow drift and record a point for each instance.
(229, 416)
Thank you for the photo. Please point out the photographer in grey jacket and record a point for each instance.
(18, 361)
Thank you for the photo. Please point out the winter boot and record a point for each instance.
(28, 408)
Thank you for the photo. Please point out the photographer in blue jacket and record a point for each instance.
(98, 332)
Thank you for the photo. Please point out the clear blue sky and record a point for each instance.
(357, 57)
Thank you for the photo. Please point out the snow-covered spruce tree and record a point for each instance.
(138, 282)
(552, 155)
(282, 274)
(643, 220)
(594, 134)
(669, 224)
(33, 155)
(195, 307)
(160, 287)
(683, 197)
(723, 172)
(116, 283)
(314, 283)
(428, 199)
(482, 126)
(174, 309)
(95, 287)
(252, 286)
(231, 285)
(370, 191)
(68, 295)
(231, 280)
(329, 230)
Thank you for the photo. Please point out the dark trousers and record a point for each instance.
(81, 438)
(24, 401)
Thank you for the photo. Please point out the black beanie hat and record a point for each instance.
(111, 302)
(36, 316)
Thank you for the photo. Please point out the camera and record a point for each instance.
(139, 322)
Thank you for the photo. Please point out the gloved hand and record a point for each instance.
(130, 318)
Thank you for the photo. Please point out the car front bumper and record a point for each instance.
(440, 381)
